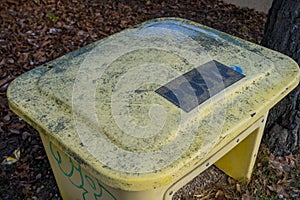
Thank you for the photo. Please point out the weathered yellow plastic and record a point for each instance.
(109, 134)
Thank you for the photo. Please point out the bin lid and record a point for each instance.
(142, 107)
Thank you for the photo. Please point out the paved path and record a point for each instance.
(259, 5)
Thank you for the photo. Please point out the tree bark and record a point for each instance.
(282, 33)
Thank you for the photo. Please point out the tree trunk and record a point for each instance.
(282, 33)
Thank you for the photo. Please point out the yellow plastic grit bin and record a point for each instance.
(137, 115)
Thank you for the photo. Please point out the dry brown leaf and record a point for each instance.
(238, 187)
(246, 196)
(220, 195)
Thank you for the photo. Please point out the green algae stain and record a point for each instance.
(91, 187)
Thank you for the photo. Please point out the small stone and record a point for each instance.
(6, 118)
(15, 131)
(38, 176)
(25, 135)
(293, 125)
(2, 145)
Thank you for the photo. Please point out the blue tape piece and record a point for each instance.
(236, 68)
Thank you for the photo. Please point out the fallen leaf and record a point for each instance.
(220, 195)
(246, 196)
(17, 154)
(238, 188)
(11, 160)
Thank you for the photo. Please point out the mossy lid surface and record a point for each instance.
(142, 107)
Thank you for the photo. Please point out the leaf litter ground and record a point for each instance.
(37, 31)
